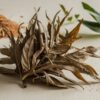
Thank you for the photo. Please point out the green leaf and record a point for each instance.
(77, 16)
(92, 25)
(70, 18)
(64, 9)
(96, 18)
(89, 8)
(95, 15)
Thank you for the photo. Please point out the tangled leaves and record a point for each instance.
(43, 53)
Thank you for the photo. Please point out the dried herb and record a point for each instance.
(43, 53)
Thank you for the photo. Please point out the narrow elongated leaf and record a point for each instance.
(82, 67)
(47, 17)
(49, 29)
(6, 61)
(60, 83)
(36, 55)
(96, 18)
(79, 76)
(71, 37)
(27, 53)
(59, 73)
(33, 18)
(89, 8)
(12, 39)
(54, 19)
(5, 51)
(7, 71)
(92, 12)
(54, 81)
(92, 25)
(59, 49)
(64, 9)
(77, 55)
(91, 70)
(60, 24)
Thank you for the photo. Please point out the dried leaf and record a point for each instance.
(54, 81)
(59, 73)
(79, 76)
(49, 29)
(59, 25)
(72, 35)
(5, 51)
(54, 19)
(27, 53)
(42, 53)
(6, 61)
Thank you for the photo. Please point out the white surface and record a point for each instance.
(9, 88)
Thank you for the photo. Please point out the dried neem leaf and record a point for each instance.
(79, 76)
(5, 51)
(72, 36)
(27, 54)
(55, 82)
(6, 61)
(43, 53)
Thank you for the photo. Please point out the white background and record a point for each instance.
(9, 88)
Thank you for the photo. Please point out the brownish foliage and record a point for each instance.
(42, 54)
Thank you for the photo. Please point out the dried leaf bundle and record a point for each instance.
(42, 54)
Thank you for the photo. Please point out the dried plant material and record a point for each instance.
(9, 25)
(43, 53)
